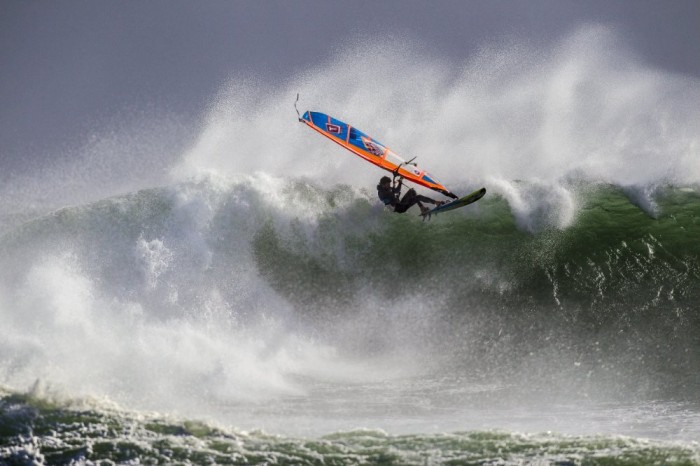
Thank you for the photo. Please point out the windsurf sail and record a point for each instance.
(371, 150)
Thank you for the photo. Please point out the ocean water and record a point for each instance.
(231, 291)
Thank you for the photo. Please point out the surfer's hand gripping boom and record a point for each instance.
(393, 181)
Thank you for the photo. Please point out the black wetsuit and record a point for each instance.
(390, 196)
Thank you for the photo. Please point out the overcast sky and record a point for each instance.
(67, 65)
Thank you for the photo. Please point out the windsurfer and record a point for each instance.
(390, 194)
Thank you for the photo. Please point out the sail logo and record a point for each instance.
(373, 147)
(332, 128)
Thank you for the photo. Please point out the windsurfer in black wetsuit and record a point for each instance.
(389, 193)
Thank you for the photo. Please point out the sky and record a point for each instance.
(71, 66)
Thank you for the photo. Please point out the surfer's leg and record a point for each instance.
(419, 199)
(428, 200)
(406, 202)
(411, 198)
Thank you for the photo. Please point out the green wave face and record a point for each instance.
(207, 295)
(617, 288)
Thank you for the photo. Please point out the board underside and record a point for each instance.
(456, 204)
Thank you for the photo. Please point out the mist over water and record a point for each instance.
(249, 275)
(584, 108)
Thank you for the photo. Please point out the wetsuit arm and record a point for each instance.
(397, 189)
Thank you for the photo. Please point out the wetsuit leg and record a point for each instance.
(420, 198)
(409, 199)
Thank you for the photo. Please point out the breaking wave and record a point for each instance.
(248, 262)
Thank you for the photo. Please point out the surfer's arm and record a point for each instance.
(397, 188)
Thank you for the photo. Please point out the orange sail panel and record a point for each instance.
(371, 150)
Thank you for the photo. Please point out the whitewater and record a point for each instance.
(229, 289)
